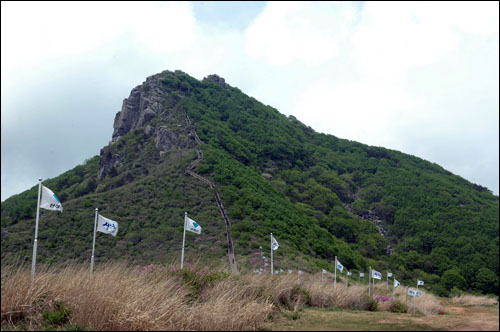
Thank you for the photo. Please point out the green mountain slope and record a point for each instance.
(320, 195)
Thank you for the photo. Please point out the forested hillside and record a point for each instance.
(320, 196)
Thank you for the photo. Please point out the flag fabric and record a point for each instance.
(389, 274)
(420, 282)
(49, 200)
(340, 266)
(324, 271)
(106, 225)
(192, 226)
(281, 271)
(376, 274)
(290, 271)
(300, 272)
(396, 283)
(414, 292)
(361, 274)
(349, 273)
(274, 243)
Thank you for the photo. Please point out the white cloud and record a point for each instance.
(310, 33)
(416, 77)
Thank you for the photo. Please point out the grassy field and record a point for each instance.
(456, 318)
(123, 297)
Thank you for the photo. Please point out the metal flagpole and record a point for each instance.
(35, 243)
(347, 278)
(369, 280)
(272, 267)
(183, 240)
(335, 283)
(417, 283)
(93, 244)
(387, 279)
(373, 281)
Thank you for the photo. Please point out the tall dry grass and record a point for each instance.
(121, 297)
(472, 300)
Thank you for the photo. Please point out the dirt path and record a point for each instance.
(233, 265)
(456, 318)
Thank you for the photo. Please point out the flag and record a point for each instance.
(389, 274)
(349, 273)
(290, 271)
(420, 282)
(281, 271)
(396, 283)
(300, 272)
(340, 266)
(376, 274)
(192, 226)
(361, 274)
(106, 225)
(274, 243)
(324, 271)
(49, 200)
(418, 293)
(411, 292)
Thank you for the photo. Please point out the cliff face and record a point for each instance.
(153, 107)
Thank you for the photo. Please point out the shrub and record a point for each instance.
(399, 307)
(58, 317)
(373, 305)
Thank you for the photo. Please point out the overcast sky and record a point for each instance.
(421, 78)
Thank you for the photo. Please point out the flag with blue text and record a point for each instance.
(396, 283)
(49, 200)
(106, 225)
(376, 274)
(275, 244)
(340, 266)
(192, 226)
(420, 282)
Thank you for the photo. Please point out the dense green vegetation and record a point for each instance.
(320, 195)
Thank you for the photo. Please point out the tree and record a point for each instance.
(486, 281)
(452, 278)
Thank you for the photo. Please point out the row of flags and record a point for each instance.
(48, 200)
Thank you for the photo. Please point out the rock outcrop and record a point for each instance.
(153, 107)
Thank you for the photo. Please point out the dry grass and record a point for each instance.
(120, 297)
(472, 300)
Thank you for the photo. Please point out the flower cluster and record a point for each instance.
(382, 298)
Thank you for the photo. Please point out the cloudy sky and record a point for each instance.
(421, 78)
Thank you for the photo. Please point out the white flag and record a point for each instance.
(396, 283)
(389, 274)
(300, 272)
(106, 225)
(420, 282)
(281, 271)
(290, 271)
(349, 273)
(340, 266)
(361, 274)
(324, 271)
(376, 274)
(413, 292)
(192, 226)
(49, 200)
(274, 243)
